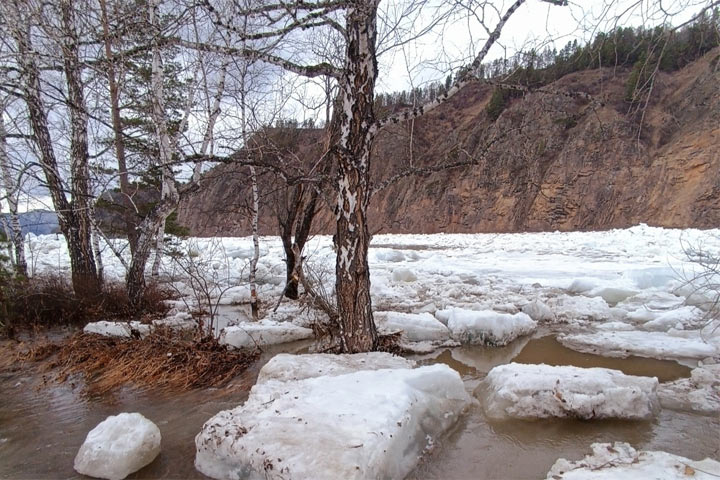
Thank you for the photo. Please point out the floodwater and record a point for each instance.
(43, 426)
(479, 448)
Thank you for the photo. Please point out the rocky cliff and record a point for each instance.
(551, 161)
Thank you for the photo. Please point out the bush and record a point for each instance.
(49, 300)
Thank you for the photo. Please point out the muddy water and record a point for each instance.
(43, 425)
(479, 448)
(41, 428)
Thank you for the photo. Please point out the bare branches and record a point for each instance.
(311, 71)
(460, 82)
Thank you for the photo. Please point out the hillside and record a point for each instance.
(556, 162)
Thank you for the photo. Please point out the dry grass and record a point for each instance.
(163, 360)
(48, 301)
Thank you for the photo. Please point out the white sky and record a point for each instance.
(534, 25)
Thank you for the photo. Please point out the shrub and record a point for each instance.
(49, 300)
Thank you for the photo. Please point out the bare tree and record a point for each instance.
(356, 75)
(74, 213)
(12, 191)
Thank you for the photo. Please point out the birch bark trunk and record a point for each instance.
(11, 189)
(84, 269)
(352, 238)
(73, 216)
(149, 228)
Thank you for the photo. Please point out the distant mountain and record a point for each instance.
(39, 222)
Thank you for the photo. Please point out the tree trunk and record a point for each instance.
(256, 244)
(98, 255)
(352, 238)
(159, 246)
(13, 228)
(84, 270)
(149, 228)
(73, 217)
(128, 215)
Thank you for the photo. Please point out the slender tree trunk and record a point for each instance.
(81, 256)
(98, 255)
(352, 237)
(73, 216)
(159, 245)
(256, 244)
(129, 217)
(12, 224)
(149, 228)
(212, 119)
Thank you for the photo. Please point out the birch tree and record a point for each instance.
(356, 75)
(23, 21)
(12, 190)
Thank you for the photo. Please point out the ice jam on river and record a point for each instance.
(525, 352)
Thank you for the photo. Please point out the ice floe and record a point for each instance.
(612, 295)
(538, 311)
(700, 393)
(118, 446)
(404, 275)
(265, 332)
(661, 345)
(488, 327)
(620, 461)
(415, 327)
(541, 391)
(361, 424)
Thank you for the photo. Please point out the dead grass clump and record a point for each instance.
(49, 300)
(163, 360)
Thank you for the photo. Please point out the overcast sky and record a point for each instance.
(534, 25)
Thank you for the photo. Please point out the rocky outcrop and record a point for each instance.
(549, 162)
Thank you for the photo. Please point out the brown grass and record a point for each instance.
(49, 300)
(163, 360)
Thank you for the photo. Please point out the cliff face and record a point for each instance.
(549, 162)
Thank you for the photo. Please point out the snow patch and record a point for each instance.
(541, 391)
(179, 321)
(118, 446)
(117, 329)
